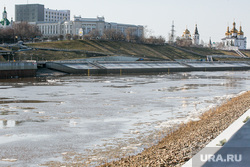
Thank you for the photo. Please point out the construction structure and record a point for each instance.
(172, 35)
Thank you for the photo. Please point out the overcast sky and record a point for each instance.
(211, 16)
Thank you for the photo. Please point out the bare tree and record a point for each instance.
(7, 34)
(25, 31)
(68, 36)
(183, 42)
(119, 36)
(54, 38)
(155, 40)
(94, 34)
(87, 37)
(61, 37)
(130, 35)
(109, 34)
(75, 37)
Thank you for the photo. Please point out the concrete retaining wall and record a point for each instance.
(220, 66)
(17, 69)
(18, 65)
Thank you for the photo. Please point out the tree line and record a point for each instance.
(113, 35)
(19, 31)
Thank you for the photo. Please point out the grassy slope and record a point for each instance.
(1, 57)
(48, 55)
(208, 51)
(166, 52)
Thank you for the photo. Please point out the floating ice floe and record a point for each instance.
(135, 132)
(131, 92)
(9, 160)
(129, 148)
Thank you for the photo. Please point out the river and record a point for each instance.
(95, 119)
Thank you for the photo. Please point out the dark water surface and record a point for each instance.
(92, 119)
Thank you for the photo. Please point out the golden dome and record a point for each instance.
(228, 32)
(186, 32)
(240, 32)
(234, 30)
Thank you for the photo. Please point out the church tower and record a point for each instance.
(186, 34)
(4, 22)
(4, 13)
(196, 36)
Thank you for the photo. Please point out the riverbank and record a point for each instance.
(79, 49)
(179, 146)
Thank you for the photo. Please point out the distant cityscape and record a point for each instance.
(57, 22)
(53, 22)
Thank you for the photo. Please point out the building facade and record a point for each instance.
(29, 12)
(83, 26)
(51, 15)
(234, 39)
(37, 13)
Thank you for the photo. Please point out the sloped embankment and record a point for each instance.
(88, 48)
(179, 146)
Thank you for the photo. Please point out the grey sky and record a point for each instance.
(212, 17)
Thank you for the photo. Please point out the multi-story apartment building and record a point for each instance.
(51, 15)
(29, 12)
(37, 13)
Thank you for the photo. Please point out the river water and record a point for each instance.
(89, 120)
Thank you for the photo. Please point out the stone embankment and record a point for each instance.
(179, 146)
(17, 69)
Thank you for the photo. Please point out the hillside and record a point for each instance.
(1, 57)
(90, 48)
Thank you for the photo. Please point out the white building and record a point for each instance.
(51, 15)
(186, 34)
(82, 26)
(196, 37)
(5, 22)
(234, 39)
(88, 24)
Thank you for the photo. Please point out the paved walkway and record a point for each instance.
(234, 153)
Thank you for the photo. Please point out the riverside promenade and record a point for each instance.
(235, 151)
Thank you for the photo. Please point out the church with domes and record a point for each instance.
(193, 39)
(5, 22)
(234, 39)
